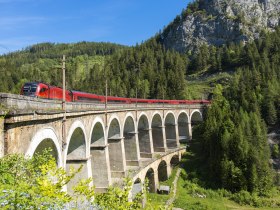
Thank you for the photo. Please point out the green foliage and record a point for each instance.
(236, 147)
(117, 198)
(34, 183)
(37, 183)
(275, 151)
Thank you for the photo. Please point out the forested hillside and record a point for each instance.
(43, 62)
(235, 132)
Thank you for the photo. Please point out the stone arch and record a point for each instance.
(45, 138)
(183, 127)
(137, 187)
(150, 176)
(130, 141)
(196, 118)
(76, 153)
(144, 138)
(116, 148)
(170, 130)
(97, 133)
(99, 155)
(175, 160)
(157, 133)
(162, 171)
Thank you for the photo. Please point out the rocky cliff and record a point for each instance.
(218, 22)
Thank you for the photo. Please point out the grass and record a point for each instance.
(157, 201)
(193, 193)
(199, 85)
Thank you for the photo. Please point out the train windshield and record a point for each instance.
(29, 89)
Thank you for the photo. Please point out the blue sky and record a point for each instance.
(27, 22)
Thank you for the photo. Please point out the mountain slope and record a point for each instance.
(218, 22)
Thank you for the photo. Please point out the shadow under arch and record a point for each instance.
(150, 176)
(157, 133)
(170, 130)
(116, 152)
(144, 137)
(183, 127)
(76, 155)
(99, 160)
(162, 171)
(130, 142)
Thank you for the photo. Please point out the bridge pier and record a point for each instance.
(100, 167)
(83, 174)
(159, 138)
(190, 131)
(117, 157)
(145, 146)
(172, 137)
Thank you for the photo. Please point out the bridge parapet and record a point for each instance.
(24, 104)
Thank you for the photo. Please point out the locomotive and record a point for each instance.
(46, 91)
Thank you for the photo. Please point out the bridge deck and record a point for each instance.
(19, 104)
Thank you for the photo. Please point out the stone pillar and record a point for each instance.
(171, 135)
(117, 157)
(177, 136)
(145, 143)
(159, 138)
(83, 174)
(165, 147)
(151, 141)
(156, 180)
(131, 149)
(190, 131)
(169, 169)
(100, 167)
(2, 137)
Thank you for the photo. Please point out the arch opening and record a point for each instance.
(170, 131)
(174, 161)
(162, 171)
(196, 120)
(130, 143)
(144, 137)
(136, 188)
(150, 176)
(157, 133)
(97, 137)
(183, 128)
(98, 150)
(76, 156)
(116, 152)
(47, 144)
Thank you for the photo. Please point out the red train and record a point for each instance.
(42, 90)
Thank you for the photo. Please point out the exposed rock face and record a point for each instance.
(217, 22)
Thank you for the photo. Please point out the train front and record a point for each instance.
(30, 89)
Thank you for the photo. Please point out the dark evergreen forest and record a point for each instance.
(235, 142)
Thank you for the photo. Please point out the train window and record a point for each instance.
(43, 90)
(29, 89)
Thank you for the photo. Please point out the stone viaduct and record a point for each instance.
(142, 141)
